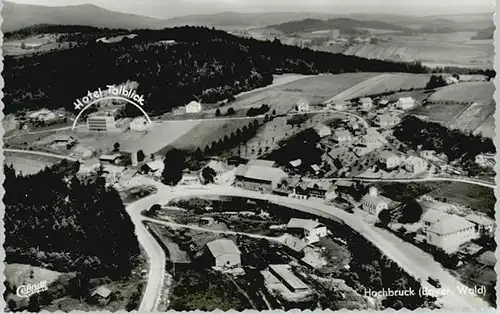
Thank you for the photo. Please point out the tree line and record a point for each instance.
(209, 64)
(56, 220)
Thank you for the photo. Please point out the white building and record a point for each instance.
(366, 103)
(193, 107)
(447, 231)
(341, 105)
(303, 106)
(342, 136)
(190, 179)
(389, 160)
(486, 160)
(98, 123)
(310, 230)
(224, 253)
(415, 164)
(323, 130)
(139, 124)
(374, 203)
(387, 120)
(406, 103)
(484, 225)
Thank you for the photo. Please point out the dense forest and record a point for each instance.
(204, 63)
(55, 220)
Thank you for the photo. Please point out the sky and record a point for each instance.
(172, 8)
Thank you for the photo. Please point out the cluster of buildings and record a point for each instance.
(448, 232)
(413, 164)
(44, 115)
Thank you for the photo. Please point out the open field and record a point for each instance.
(441, 113)
(40, 43)
(28, 163)
(383, 83)
(456, 49)
(315, 89)
(465, 92)
(477, 197)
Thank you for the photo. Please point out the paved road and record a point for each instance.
(32, 152)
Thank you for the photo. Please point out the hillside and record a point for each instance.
(345, 25)
(210, 64)
(17, 16)
(486, 33)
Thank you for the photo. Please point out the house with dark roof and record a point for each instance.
(259, 175)
(310, 231)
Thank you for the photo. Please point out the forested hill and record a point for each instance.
(206, 63)
(54, 220)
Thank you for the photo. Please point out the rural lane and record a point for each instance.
(33, 152)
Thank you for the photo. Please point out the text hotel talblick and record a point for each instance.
(434, 292)
(112, 91)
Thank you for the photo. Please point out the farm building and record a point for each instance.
(371, 138)
(139, 124)
(483, 225)
(64, 140)
(39, 114)
(341, 105)
(98, 123)
(387, 120)
(366, 103)
(259, 175)
(342, 136)
(447, 231)
(383, 103)
(389, 159)
(190, 178)
(82, 152)
(112, 159)
(295, 245)
(309, 230)
(415, 164)
(224, 253)
(154, 167)
(406, 103)
(451, 80)
(374, 203)
(193, 107)
(321, 189)
(472, 78)
(287, 277)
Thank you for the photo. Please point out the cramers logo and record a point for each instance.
(25, 291)
(112, 91)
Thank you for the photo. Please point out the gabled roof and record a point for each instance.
(480, 220)
(155, 165)
(374, 201)
(450, 225)
(306, 224)
(295, 243)
(296, 163)
(222, 246)
(102, 291)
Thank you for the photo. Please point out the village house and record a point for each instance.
(342, 136)
(472, 78)
(323, 130)
(259, 175)
(296, 246)
(451, 80)
(321, 189)
(342, 156)
(447, 231)
(64, 140)
(389, 160)
(341, 105)
(138, 124)
(387, 120)
(224, 253)
(383, 103)
(111, 159)
(190, 178)
(406, 103)
(310, 231)
(366, 103)
(101, 295)
(374, 203)
(154, 168)
(371, 138)
(303, 106)
(483, 225)
(415, 164)
(193, 107)
(427, 154)
(345, 187)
